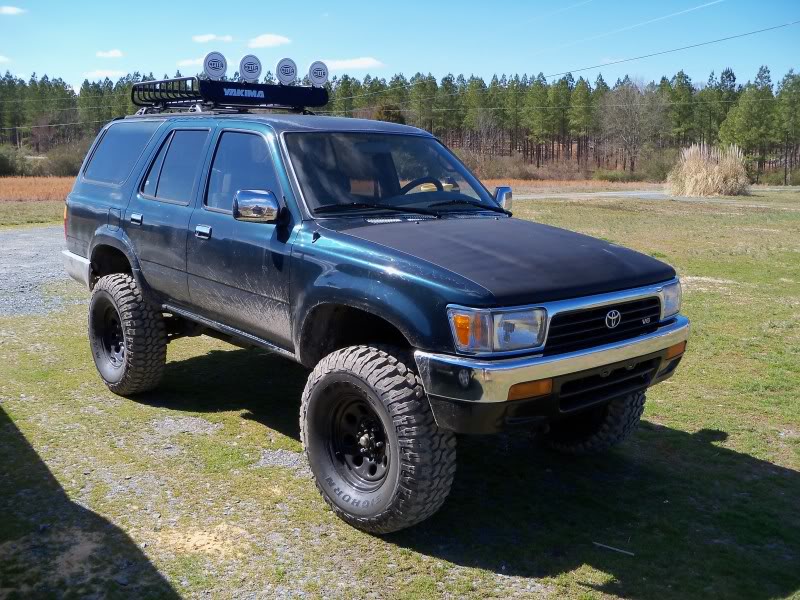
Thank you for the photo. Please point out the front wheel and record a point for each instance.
(378, 458)
(597, 429)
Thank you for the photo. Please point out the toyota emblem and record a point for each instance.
(613, 317)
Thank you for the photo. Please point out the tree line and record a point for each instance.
(564, 120)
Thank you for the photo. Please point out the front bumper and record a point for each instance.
(470, 395)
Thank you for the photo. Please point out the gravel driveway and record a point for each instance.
(30, 260)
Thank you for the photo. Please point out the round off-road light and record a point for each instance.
(286, 71)
(214, 65)
(318, 73)
(250, 68)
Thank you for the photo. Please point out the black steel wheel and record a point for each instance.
(127, 336)
(358, 440)
(378, 458)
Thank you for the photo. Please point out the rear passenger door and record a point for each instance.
(157, 218)
(237, 270)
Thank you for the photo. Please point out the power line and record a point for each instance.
(610, 63)
(54, 125)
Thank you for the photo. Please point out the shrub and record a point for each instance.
(657, 165)
(10, 161)
(617, 176)
(65, 160)
(709, 171)
(776, 177)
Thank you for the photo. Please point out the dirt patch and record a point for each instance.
(707, 284)
(222, 541)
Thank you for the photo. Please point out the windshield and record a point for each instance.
(369, 171)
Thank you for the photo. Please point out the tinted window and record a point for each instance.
(242, 162)
(151, 181)
(180, 160)
(118, 150)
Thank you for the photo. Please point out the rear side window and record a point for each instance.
(118, 150)
(175, 170)
(242, 161)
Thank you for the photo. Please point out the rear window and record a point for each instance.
(175, 170)
(119, 148)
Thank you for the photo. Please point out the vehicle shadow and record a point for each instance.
(266, 386)
(50, 547)
(699, 519)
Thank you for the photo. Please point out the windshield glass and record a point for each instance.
(360, 170)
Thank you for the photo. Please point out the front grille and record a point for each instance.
(605, 384)
(579, 329)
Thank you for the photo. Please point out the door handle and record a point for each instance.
(203, 232)
(136, 218)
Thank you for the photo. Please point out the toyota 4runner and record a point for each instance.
(369, 253)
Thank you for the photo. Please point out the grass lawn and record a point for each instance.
(198, 489)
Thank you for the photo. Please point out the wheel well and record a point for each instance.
(107, 260)
(329, 327)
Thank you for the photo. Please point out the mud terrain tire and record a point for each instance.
(127, 336)
(597, 429)
(378, 458)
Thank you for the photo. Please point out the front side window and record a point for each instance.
(118, 151)
(242, 161)
(398, 171)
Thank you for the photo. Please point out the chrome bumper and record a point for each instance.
(463, 378)
(77, 267)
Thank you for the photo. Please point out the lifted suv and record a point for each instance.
(367, 252)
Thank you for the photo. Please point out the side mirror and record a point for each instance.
(255, 206)
(503, 196)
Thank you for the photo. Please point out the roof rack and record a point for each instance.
(196, 95)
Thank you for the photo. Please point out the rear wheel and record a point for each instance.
(127, 336)
(377, 456)
(598, 429)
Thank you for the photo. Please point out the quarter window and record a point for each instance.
(118, 151)
(175, 170)
(242, 161)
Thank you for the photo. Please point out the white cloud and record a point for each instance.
(364, 62)
(268, 40)
(103, 73)
(109, 53)
(4, 59)
(190, 62)
(11, 10)
(211, 37)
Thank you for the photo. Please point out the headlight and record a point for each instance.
(672, 299)
(476, 330)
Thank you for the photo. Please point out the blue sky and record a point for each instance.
(80, 39)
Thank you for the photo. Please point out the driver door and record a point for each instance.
(238, 270)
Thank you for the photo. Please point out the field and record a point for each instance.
(32, 200)
(199, 489)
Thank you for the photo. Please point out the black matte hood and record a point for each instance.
(516, 261)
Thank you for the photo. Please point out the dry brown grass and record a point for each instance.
(34, 189)
(552, 185)
(709, 171)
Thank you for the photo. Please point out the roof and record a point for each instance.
(295, 122)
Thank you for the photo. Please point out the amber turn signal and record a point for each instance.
(676, 350)
(530, 389)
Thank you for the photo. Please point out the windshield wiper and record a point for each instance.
(361, 205)
(475, 203)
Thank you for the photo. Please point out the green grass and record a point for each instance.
(14, 214)
(101, 495)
